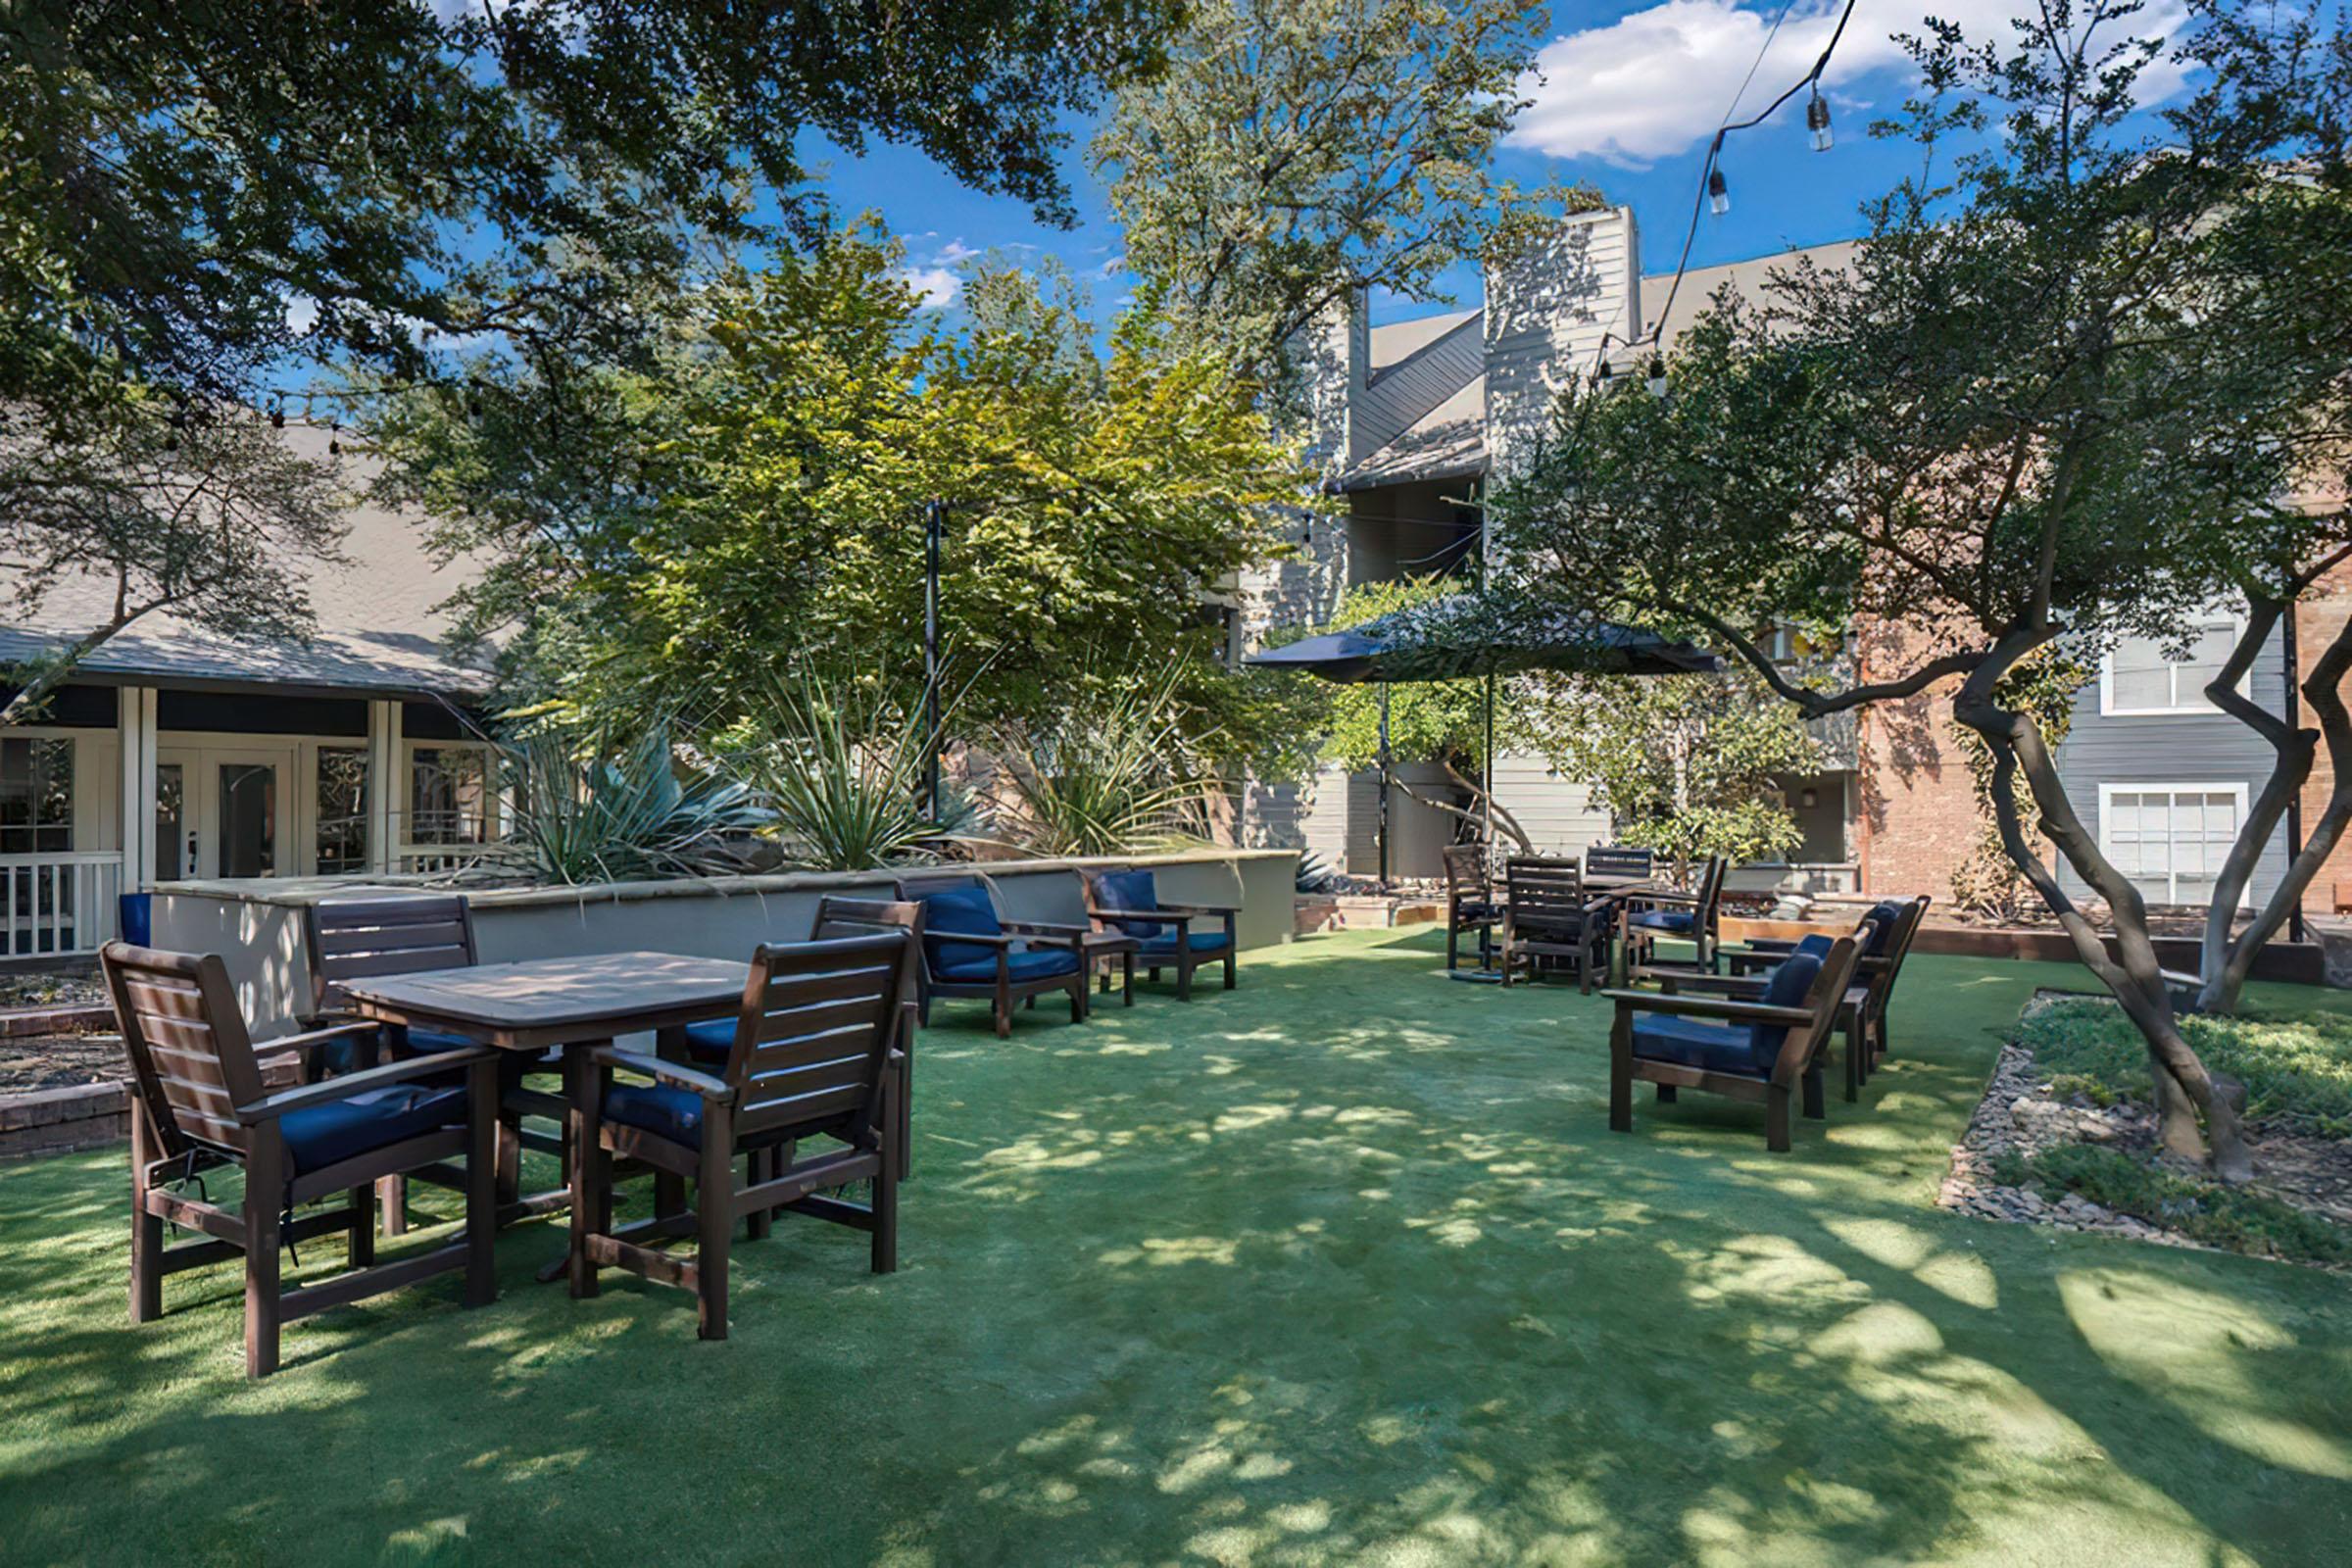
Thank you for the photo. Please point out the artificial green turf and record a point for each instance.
(2295, 1061)
(1342, 1266)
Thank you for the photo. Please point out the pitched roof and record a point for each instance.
(1447, 442)
(1746, 279)
(380, 630)
(1424, 406)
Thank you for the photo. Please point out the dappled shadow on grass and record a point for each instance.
(1344, 1265)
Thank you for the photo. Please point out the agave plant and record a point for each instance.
(841, 768)
(1102, 779)
(590, 809)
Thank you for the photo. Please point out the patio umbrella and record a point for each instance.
(1467, 635)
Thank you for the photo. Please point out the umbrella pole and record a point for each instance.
(1486, 777)
(1384, 786)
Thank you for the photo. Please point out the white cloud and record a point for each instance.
(939, 286)
(956, 250)
(1655, 82)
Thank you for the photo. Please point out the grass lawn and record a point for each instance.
(1344, 1265)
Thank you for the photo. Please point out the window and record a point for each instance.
(449, 795)
(2170, 839)
(2138, 676)
(37, 794)
(342, 836)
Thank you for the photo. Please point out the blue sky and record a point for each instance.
(1629, 97)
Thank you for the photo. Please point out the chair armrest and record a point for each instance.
(1005, 943)
(1202, 910)
(1677, 980)
(1047, 928)
(314, 1037)
(1662, 895)
(327, 1091)
(675, 1074)
(1718, 1008)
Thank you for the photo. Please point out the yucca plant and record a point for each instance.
(590, 808)
(1100, 778)
(840, 768)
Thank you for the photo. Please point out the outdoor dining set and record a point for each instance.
(774, 1085)
(1753, 1022)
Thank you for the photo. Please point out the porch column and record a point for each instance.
(387, 791)
(135, 727)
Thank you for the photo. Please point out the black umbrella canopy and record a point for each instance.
(1465, 635)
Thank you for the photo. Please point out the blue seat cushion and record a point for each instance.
(1791, 978)
(513, 1066)
(1816, 947)
(1678, 920)
(1023, 963)
(1131, 890)
(319, 1135)
(1695, 1043)
(960, 912)
(711, 1040)
(1881, 918)
(672, 1113)
(1198, 941)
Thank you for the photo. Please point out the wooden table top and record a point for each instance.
(545, 1001)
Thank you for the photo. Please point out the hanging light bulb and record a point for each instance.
(1657, 375)
(1719, 194)
(277, 414)
(1605, 375)
(1817, 120)
(334, 439)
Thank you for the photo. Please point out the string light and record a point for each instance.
(1817, 120)
(1657, 375)
(334, 439)
(1719, 193)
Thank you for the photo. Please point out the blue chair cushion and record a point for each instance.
(711, 1041)
(1198, 941)
(1696, 1043)
(1682, 921)
(960, 912)
(513, 1066)
(1131, 890)
(1791, 978)
(672, 1113)
(1881, 918)
(1023, 963)
(319, 1135)
(1816, 947)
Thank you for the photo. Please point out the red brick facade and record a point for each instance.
(1916, 805)
(2318, 620)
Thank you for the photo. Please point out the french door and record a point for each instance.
(224, 811)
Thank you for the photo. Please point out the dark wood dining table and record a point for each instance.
(540, 1005)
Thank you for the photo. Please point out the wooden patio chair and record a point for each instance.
(1754, 973)
(1619, 862)
(1128, 900)
(1893, 924)
(1763, 1049)
(971, 950)
(813, 1059)
(1692, 915)
(1546, 914)
(203, 1101)
(370, 938)
(1469, 902)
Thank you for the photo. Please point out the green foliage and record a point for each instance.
(2296, 1068)
(762, 488)
(1685, 764)
(841, 764)
(2042, 687)
(1429, 721)
(1103, 778)
(1292, 152)
(2231, 1217)
(592, 808)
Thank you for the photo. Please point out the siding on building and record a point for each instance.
(1557, 815)
(1546, 315)
(1399, 394)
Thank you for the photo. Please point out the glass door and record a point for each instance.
(223, 813)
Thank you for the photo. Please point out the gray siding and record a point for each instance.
(1545, 317)
(2172, 749)
(1401, 394)
(1557, 815)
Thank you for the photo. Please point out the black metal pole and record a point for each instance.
(1384, 784)
(935, 527)
(2294, 802)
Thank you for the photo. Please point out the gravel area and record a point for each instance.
(51, 990)
(2020, 1113)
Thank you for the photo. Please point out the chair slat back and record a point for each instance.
(365, 939)
(1898, 946)
(855, 918)
(1465, 871)
(817, 1023)
(1543, 890)
(1822, 999)
(1709, 891)
(187, 1042)
(1619, 861)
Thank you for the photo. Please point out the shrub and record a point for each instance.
(2233, 1217)
(2296, 1067)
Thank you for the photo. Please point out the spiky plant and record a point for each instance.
(841, 769)
(1101, 778)
(590, 806)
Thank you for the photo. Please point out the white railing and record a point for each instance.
(59, 904)
(438, 858)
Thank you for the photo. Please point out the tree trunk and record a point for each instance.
(2184, 1090)
(1503, 816)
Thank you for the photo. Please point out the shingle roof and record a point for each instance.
(1447, 442)
(379, 628)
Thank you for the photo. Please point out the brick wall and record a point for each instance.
(1915, 806)
(2318, 621)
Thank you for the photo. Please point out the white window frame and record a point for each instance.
(2109, 791)
(2233, 620)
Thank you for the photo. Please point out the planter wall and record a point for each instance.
(2300, 963)
(257, 925)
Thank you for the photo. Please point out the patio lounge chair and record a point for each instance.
(813, 1059)
(205, 1098)
(1854, 1009)
(1546, 914)
(363, 939)
(1895, 924)
(971, 950)
(1469, 902)
(1762, 1050)
(1692, 916)
(1128, 900)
